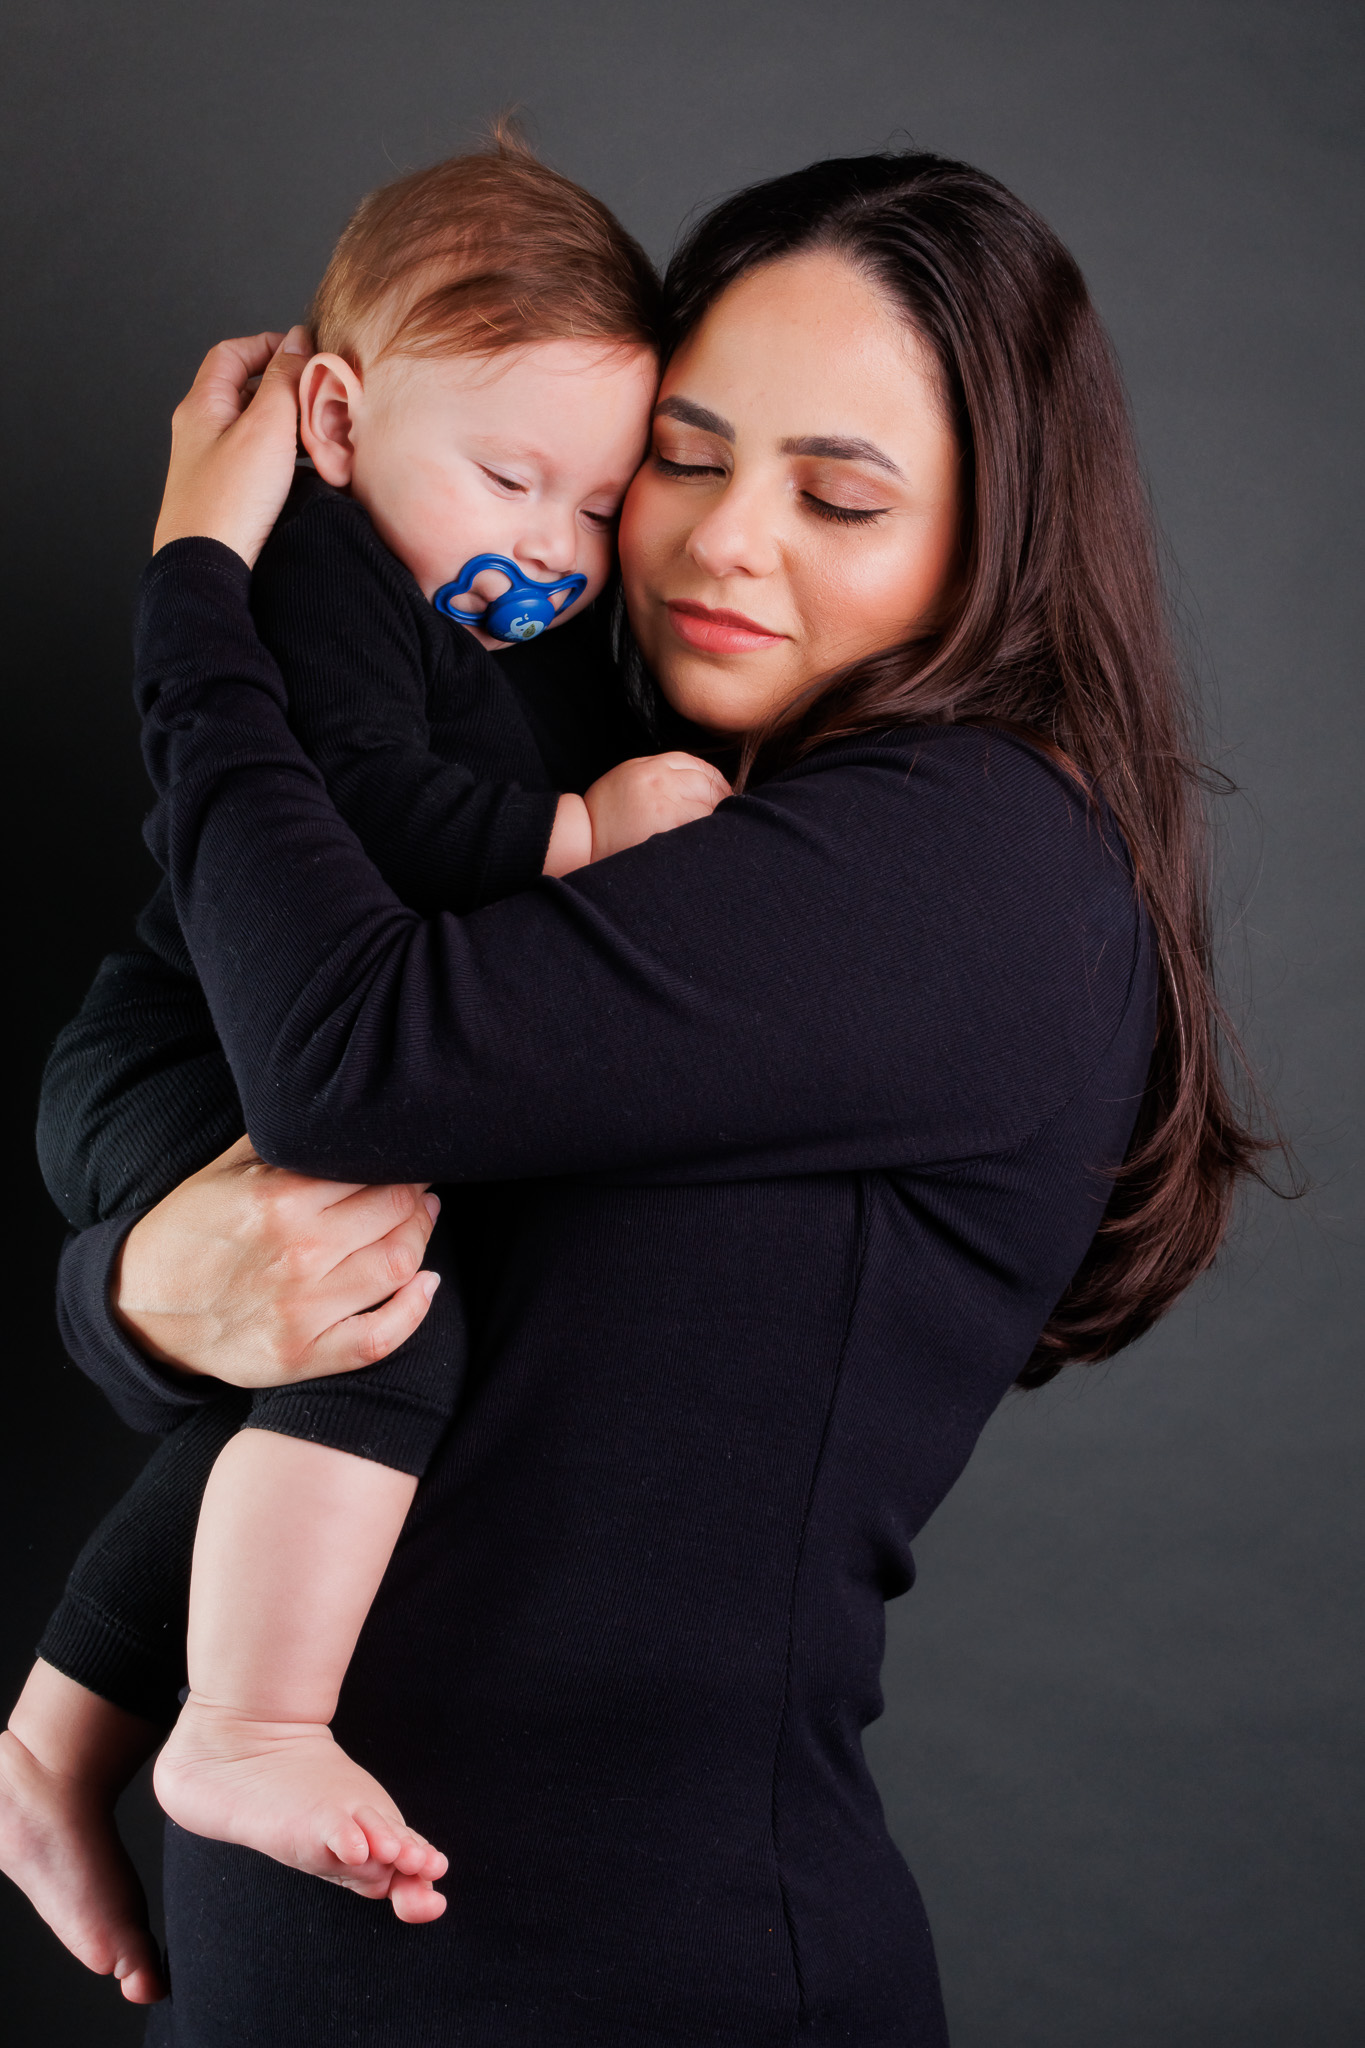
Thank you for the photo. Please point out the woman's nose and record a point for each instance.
(736, 537)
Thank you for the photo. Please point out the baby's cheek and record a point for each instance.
(598, 565)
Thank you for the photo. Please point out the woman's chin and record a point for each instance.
(713, 697)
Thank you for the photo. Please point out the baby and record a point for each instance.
(480, 398)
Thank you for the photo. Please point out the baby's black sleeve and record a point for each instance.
(358, 644)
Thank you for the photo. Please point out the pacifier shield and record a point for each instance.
(521, 612)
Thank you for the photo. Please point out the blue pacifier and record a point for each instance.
(521, 612)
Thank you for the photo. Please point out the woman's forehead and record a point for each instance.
(808, 348)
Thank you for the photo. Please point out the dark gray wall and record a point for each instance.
(1121, 1742)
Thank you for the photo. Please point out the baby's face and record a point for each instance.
(526, 455)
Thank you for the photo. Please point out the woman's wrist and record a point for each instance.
(137, 1303)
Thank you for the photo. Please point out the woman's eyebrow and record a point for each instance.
(694, 416)
(837, 448)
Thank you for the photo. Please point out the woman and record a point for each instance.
(805, 1119)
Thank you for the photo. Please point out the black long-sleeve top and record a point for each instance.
(448, 761)
(810, 1110)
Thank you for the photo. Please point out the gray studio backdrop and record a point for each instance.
(1121, 1744)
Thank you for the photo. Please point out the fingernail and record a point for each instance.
(298, 342)
(430, 1283)
(432, 1205)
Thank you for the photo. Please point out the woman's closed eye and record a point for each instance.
(843, 515)
(667, 466)
(845, 495)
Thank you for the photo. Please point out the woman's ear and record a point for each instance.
(330, 396)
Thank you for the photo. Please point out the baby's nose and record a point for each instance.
(550, 549)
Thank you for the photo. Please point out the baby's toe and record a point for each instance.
(385, 1839)
(350, 1843)
(140, 1982)
(417, 1858)
(414, 1901)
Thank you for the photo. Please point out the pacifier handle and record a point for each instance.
(475, 566)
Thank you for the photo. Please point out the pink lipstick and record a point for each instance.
(719, 632)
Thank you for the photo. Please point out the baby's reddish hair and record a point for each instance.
(484, 252)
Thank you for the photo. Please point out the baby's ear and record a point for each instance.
(329, 395)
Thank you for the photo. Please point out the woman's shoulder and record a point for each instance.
(969, 805)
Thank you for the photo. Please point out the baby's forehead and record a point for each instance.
(565, 421)
(546, 396)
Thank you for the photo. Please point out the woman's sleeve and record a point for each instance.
(908, 951)
(137, 1092)
(143, 1394)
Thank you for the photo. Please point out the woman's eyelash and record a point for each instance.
(687, 468)
(839, 515)
(842, 515)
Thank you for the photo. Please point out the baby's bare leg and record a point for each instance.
(64, 1759)
(293, 1541)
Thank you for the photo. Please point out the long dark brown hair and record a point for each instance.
(1060, 634)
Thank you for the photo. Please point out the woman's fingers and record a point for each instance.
(364, 1339)
(365, 1216)
(215, 398)
(232, 452)
(275, 399)
(371, 1274)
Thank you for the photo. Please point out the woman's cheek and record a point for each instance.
(642, 548)
(868, 605)
(632, 534)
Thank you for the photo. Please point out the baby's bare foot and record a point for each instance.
(59, 1844)
(287, 1789)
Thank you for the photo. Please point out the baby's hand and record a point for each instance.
(653, 794)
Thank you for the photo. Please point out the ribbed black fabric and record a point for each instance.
(810, 1108)
(466, 753)
(454, 797)
(120, 1628)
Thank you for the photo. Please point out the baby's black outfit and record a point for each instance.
(448, 763)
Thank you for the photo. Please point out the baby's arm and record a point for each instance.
(358, 645)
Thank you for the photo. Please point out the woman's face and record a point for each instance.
(799, 508)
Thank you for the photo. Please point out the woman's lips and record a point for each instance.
(719, 632)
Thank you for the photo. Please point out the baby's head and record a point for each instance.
(487, 340)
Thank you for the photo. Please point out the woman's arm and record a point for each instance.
(246, 1276)
(137, 1092)
(909, 950)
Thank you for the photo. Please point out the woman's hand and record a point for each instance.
(255, 1276)
(233, 443)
